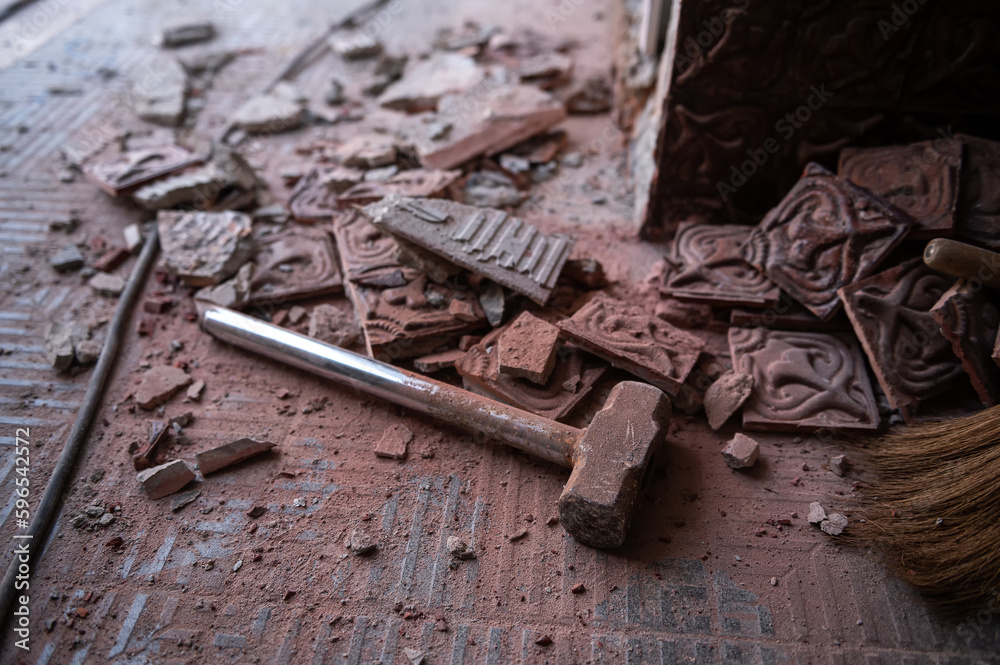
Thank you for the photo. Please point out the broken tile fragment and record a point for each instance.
(362, 542)
(417, 183)
(527, 349)
(741, 452)
(546, 69)
(490, 189)
(969, 321)
(725, 397)
(233, 293)
(184, 499)
(921, 179)
(459, 549)
(163, 480)
(891, 315)
(198, 186)
(295, 263)
(213, 459)
(839, 465)
(161, 94)
(803, 381)
(816, 513)
(271, 113)
(436, 362)
(354, 45)
(489, 242)
(825, 234)
(112, 259)
(427, 81)
(834, 524)
(159, 384)
(183, 34)
(368, 151)
(333, 325)
(195, 390)
(394, 442)
(88, 351)
(107, 285)
(630, 337)
(489, 122)
(117, 172)
(67, 259)
(59, 342)
(205, 248)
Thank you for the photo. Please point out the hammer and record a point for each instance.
(609, 458)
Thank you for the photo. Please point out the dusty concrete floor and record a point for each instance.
(693, 584)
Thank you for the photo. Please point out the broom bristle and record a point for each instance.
(934, 508)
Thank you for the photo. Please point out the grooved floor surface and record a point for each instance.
(697, 582)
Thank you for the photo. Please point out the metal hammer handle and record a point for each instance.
(526, 431)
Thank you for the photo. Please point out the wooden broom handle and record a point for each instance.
(959, 259)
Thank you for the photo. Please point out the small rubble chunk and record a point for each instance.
(460, 549)
(839, 464)
(269, 113)
(205, 248)
(88, 351)
(578, 588)
(233, 293)
(213, 459)
(67, 259)
(586, 272)
(60, 340)
(527, 349)
(362, 542)
(492, 300)
(490, 189)
(742, 452)
(186, 33)
(296, 314)
(463, 310)
(195, 389)
(816, 513)
(429, 80)
(159, 384)
(163, 480)
(834, 525)
(415, 656)
(436, 362)
(161, 95)
(334, 95)
(198, 185)
(332, 325)
(726, 395)
(394, 441)
(111, 259)
(107, 285)
(593, 95)
(184, 499)
(368, 151)
(358, 45)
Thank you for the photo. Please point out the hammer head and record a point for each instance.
(610, 462)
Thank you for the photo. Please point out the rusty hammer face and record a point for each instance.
(609, 459)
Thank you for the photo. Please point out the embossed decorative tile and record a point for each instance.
(891, 314)
(117, 172)
(367, 255)
(630, 337)
(921, 179)
(979, 193)
(969, 321)
(417, 183)
(295, 263)
(803, 381)
(490, 242)
(706, 266)
(826, 233)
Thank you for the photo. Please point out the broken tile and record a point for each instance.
(195, 390)
(116, 172)
(394, 442)
(788, 316)
(59, 342)
(969, 321)
(295, 263)
(205, 248)
(270, 113)
(921, 179)
(107, 285)
(573, 378)
(163, 480)
(489, 242)
(88, 351)
(112, 259)
(464, 310)
(417, 183)
(816, 513)
(436, 362)
(184, 499)
(67, 259)
(803, 381)
(213, 459)
(741, 452)
(161, 95)
(367, 255)
(825, 234)
(198, 186)
(978, 218)
(527, 349)
(545, 69)
(725, 397)
(489, 122)
(354, 45)
(183, 34)
(834, 525)
(705, 266)
(368, 151)
(839, 465)
(891, 315)
(493, 301)
(314, 199)
(427, 81)
(490, 189)
(158, 385)
(332, 325)
(233, 293)
(629, 337)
